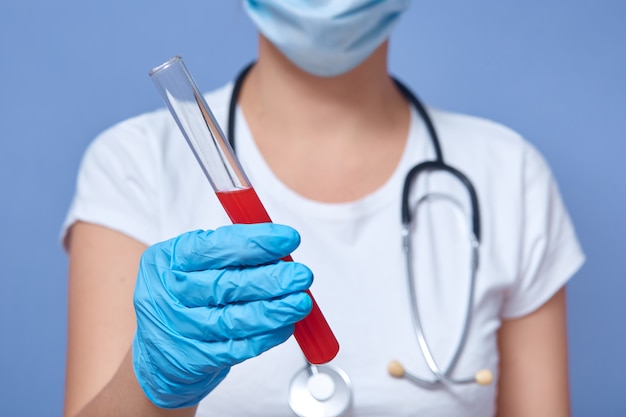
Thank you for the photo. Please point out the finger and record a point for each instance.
(225, 286)
(239, 350)
(236, 321)
(233, 245)
(205, 357)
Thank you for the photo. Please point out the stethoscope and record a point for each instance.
(325, 390)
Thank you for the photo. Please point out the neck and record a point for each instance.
(280, 97)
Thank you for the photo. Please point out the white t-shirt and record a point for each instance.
(139, 177)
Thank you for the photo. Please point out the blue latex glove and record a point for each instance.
(207, 300)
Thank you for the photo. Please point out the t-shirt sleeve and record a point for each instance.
(550, 253)
(115, 184)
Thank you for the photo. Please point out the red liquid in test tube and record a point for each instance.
(231, 185)
(313, 333)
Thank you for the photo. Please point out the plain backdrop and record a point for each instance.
(554, 70)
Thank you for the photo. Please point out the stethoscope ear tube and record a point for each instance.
(483, 377)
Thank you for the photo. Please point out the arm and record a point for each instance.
(188, 291)
(533, 363)
(99, 374)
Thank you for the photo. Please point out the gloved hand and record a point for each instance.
(207, 300)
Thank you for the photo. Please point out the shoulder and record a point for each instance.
(145, 148)
(139, 175)
(153, 130)
(480, 144)
(466, 130)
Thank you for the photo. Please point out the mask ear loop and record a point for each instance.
(440, 375)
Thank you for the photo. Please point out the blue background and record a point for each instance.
(553, 70)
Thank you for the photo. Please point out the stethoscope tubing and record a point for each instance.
(440, 375)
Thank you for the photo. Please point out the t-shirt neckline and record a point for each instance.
(266, 183)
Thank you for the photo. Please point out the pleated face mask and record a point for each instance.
(326, 37)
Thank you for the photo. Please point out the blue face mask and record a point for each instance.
(326, 37)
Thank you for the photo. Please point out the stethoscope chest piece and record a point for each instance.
(320, 391)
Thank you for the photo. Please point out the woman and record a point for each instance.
(327, 137)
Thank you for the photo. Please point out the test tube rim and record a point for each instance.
(169, 62)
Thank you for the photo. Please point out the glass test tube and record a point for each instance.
(230, 183)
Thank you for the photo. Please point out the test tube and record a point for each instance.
(230, 183)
